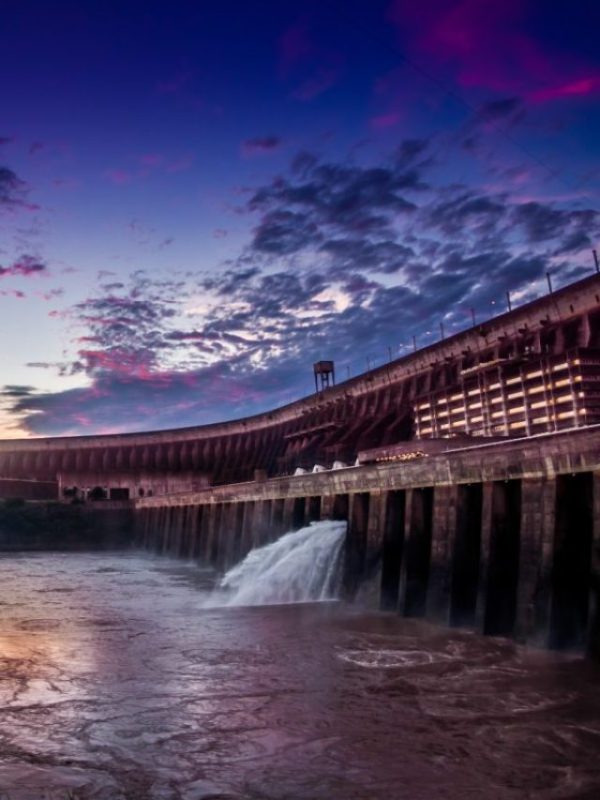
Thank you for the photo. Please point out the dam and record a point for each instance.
(467, 472)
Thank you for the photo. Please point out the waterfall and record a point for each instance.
(301, 566)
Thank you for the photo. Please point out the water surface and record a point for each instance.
(115, 681)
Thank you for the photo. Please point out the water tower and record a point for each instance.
(324, 375)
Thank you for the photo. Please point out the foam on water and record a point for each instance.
(301, 566)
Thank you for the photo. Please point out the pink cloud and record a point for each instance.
(180, 164)
(24, 266)
(119, 176)
(294, 46)
(314, 69)
(384, 121)
(324, 79)
(486, 46)
(151, 159)
(576, 88)
(260, 145)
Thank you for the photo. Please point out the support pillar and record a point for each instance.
(443, 532)
(393, 545)
(538, 502)
(356, 544)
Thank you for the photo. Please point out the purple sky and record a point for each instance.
(198, 200)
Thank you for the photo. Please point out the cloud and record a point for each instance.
(488, 45)
(12, 188)
(260, 145)
(345, 259)
(310, 67)
(24, 266)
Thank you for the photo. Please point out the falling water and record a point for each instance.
(301, 566)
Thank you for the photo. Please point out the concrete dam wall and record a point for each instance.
(503, 537)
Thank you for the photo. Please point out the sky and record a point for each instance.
(198, 200)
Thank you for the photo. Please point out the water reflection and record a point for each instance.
(117, 683)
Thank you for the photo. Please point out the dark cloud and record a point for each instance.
(24, 266)
(260, 144)
(14, 391)
(11, 188)
(507, 109)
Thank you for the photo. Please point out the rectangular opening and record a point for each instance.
(314, 509)
(393, 545)
(298, 513)
(572, 560)
(503, 567)
(118, 493)
(277, 518)
(418, 552)
(467, 551)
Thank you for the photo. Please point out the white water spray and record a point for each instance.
(301, 566)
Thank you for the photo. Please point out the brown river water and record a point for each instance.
(116, 683)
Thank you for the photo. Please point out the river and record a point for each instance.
(119, 681)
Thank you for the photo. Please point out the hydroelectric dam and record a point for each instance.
(468, 473)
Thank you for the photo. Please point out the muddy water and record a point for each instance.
(115, 683)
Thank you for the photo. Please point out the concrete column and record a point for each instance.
(167, 529)
(538, 499)
(202, 533)
(217, 534)
(238, 529)
(288, 514)
(247, 529)
(195, 520)
(262, 519)
(226, 536)
(442, 546)
(393, 545)
(210, 532)
(179, 531)
(277, 510)
(356, 544)
(486, 532)
(375, 531)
